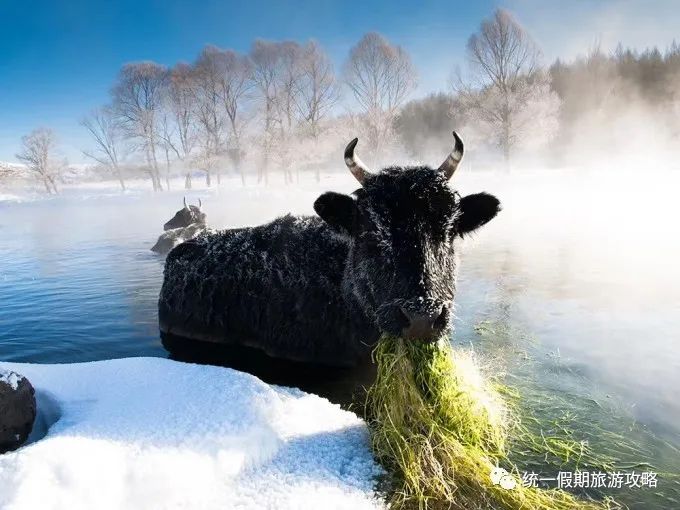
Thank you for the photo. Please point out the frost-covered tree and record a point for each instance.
(39, 154)
(180, 129)
(212, 142)
(505, 92)
(276, 76)
(316, 95)
(289, 77)
(526, 118)
(316, 87)
(138, 99)
(223, 79)
(294, 89)
(381, 76)
(167, 132)
(265, 58)
(106, 132)
(234, 81)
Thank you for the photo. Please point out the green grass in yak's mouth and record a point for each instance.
(441, 431)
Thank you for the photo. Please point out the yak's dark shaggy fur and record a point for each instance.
(275, 287)
(321, 290)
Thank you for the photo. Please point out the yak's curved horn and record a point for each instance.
(448, 167)
(185, 203)
(355, 165)
(200, 204)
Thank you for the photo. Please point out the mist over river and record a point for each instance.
(573, 291)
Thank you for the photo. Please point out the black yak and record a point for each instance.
(187, 223)
(187, 215)
(321, 289)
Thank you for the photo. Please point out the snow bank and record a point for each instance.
(8, 197)
(153, 433)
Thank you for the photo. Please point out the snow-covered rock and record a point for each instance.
(153, 433)
(17, 410)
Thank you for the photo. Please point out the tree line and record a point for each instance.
(282, 107)
(509, 103)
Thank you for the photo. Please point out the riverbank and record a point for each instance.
(154, 433)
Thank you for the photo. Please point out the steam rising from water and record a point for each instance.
(587, 261)
(584, 259)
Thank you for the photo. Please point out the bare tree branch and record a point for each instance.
(106, 131)
(38, 154)
(138, 102)
(505, 80)
(380, 76)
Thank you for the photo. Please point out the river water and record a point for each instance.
(572, 294)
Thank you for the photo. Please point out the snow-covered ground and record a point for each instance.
(152, 433)
(10, 197)
(84, 190)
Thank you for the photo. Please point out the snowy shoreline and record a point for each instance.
(155, 433)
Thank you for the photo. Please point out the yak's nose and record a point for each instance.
(425, 323)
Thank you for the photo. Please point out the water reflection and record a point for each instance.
(570, 291)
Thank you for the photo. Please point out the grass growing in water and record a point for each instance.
(440, 429)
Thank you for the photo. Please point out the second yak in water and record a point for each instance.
(187, 223)
(321, 289)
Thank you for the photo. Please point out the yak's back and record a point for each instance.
(269, 287)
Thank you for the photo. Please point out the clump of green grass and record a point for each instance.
(439, 428)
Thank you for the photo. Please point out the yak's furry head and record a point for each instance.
(402, 225)
(186, 216)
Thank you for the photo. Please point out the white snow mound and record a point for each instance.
(151, 433)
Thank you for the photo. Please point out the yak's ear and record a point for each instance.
(475, 211)
(338, 210)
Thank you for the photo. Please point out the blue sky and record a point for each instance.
(58, 59)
